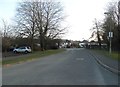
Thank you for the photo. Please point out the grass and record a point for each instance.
(32, 56)
(0, 62)
(114, 55)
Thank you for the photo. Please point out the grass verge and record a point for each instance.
(114, 55)
(32, 56)
(0, 62)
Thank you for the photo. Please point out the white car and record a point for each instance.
(24, 49)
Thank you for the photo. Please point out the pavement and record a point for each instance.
(108, 63)
(72, 67)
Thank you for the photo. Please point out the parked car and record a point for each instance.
(24, 49)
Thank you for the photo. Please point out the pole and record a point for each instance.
(118, 23)
(110, 50)
(110, 36)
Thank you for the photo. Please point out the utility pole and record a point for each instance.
(119, 7)
(118, 14)
(119, 23)
(110, 34)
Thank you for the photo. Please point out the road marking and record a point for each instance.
(80, 59)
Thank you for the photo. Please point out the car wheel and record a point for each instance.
(15, 51)
(26, 51)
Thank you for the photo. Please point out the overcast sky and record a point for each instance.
(80, 15)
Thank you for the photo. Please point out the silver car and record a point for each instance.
(24, 49)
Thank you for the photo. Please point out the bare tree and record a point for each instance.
(41, 19)
(49, 16)
(97, 32)
(6, 34)
(111, 21)
(26, 21)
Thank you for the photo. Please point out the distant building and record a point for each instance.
(83, 43)
(94, 44)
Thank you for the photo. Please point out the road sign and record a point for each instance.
(110, 34)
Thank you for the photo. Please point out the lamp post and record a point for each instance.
(118, 22)
(118, 14)
(110, 34)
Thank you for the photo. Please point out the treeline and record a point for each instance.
(111, 22)
(37, 24)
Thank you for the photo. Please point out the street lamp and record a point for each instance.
(118, 14)
(110, 34)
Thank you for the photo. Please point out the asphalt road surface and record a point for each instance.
(72, 67)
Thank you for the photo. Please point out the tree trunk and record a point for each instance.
(32, 43)
(98, 35)
(99, 40)
(42, 42)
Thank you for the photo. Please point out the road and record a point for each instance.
(72, 67)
